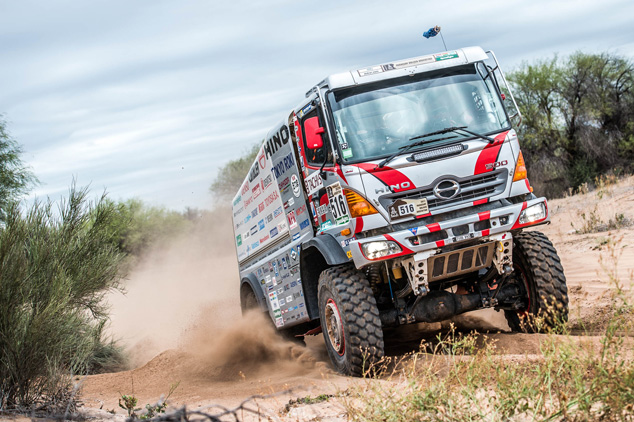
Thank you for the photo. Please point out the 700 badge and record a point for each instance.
(337, 203)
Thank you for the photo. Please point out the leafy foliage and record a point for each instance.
(231, 175)
(15, 177)
(55, 268)
(578, 119)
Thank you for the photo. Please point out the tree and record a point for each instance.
(578, 118)
(15, 178)
(231, 175)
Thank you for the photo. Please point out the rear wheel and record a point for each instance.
(540, 276)
(349, 319)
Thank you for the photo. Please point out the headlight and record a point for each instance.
(375, 250)
(533, 213)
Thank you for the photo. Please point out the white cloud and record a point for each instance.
(149, 99)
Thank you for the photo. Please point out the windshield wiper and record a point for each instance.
(455, 129)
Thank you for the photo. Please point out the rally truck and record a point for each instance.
(391, 195)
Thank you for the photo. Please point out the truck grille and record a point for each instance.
(472, 188)
(461, 261)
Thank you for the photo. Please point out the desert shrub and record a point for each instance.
(56, 265)
(578, 114)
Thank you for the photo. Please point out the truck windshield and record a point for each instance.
(375, 120)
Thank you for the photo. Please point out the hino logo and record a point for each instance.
(394, 188)
(446, 189)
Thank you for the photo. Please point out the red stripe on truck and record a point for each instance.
(396, 180)
(489, 154)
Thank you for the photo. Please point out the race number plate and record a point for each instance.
(337, 203)
(408, 207)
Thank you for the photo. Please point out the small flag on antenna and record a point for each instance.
(432, 32)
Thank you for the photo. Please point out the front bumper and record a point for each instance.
(435, 236)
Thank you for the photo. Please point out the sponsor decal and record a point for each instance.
(349, 254)
(261, 224)
(254, 212)
(322, 210)
(284, 185)
(304, 224)
(293, 254)
(261, 207)
(238, 212)
(446, 56)
(296, 236)
(346, 242)
(289, 299)
(276, 141)
(246, 235)
(245, 188)
(262, 160)
(295, 185)
(264, 239)
(269, 218)
(239, 240)
(248, 201)
(247, 218)
(325, 225)
(293, 284)
(301, 210)
(292, 221)
(266, 182)
(237, 200)
(282, 302)
(271, 198)
(284, 263)
(254, 172)
(277, 273)
(256, 191)
(279, 322)
(255, 245)
(254, 230)
(239, 224)
(414, 230)
(282, 226)
(313, 182)
(277, 212)
(283, 165)
(273, 232)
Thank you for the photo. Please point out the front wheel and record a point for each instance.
(349, 320)
(540, 276)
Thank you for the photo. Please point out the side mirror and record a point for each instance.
(313, 133)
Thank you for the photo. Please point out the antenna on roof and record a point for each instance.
(432, 32)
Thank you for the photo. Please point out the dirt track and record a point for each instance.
(181, 321)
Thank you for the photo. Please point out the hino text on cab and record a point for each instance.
(395, 194)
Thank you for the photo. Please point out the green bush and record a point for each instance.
(56, 265)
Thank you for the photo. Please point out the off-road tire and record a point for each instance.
(538, 268)
(346, 291)
(248, 302)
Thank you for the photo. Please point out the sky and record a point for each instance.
(148, 99)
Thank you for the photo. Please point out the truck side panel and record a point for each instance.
(277, 222)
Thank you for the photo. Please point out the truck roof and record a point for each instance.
(404, 67)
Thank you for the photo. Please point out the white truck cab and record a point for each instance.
(394, 194)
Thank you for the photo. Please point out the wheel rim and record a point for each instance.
(334, 327)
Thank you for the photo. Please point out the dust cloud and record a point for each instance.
(184, 298)
(171, 285)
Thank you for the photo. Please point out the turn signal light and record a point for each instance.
(520, 169)
(358, 205)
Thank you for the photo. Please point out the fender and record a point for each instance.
(329, 248)
(252, 281)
